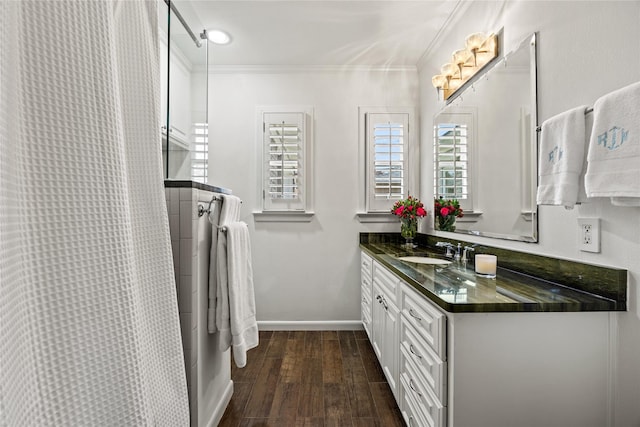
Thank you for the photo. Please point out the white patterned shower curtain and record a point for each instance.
(89, 326)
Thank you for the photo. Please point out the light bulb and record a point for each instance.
(439, 81)
(475, 40)
(449, 69)
(461, 56)
(218, 37)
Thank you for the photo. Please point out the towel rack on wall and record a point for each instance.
(586, 111)
(202, 210)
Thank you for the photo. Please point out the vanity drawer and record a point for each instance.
(365, 301)
(429, 322)
(426, 404)
(387, 281)
(365, 264)
(429, 366)
(409, 407)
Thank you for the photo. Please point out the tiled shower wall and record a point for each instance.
(208, 369)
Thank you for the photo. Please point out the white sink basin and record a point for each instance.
(424, 260)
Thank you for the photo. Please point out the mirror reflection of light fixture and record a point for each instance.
(480, 49)
(440, 82)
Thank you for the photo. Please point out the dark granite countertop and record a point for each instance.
(457, 289)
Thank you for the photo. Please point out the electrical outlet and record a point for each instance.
(589, 234)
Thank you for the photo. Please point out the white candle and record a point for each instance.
(486, 265)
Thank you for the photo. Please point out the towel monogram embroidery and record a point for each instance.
(555, 155)
(613, 138)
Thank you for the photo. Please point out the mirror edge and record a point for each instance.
(532, 41)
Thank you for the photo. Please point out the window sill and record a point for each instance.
(283, 216)
(470, 216)
(366, 217)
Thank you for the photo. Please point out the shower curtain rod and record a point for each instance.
(184, 23)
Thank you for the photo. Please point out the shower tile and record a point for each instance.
(175, 251)
(173, 201)
(186, 257)
(174, 225)
(185, 295)
(186, 220)
(185, 193)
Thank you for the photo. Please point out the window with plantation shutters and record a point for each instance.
(200, 153)
(285, 164)
(451, 153)
(387, 159)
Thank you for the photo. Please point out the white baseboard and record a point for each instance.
(218, 412)
(310, 325)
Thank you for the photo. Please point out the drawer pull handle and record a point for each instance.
(364, 300)
(413, 352)
(410, 420)
(384, 304)
(414, 315)
(413, 387)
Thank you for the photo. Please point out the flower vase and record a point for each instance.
(447, 223)
(408, 230)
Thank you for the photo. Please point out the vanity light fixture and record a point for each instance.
(480, 49)
(218, 37)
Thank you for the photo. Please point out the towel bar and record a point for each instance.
(202, 210)
(586, 111)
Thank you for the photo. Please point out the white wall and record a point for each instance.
(585, 49)
(303, 271)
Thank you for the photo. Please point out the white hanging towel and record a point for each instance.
(214, 219)
(224, 211)
(613, 168)
(236, 311)
(562, 151)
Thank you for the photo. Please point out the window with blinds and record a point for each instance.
(451, 156)
(388, 152)
(200, 153)
(284, 161)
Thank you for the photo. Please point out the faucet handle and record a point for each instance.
(449, 247)
(464, 253)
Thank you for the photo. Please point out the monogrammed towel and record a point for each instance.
(562, 148)
(613, 160)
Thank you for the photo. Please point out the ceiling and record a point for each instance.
(392, 33)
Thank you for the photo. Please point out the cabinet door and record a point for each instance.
(365, 285)
(385, 335)
(377, 320)
(391, 348)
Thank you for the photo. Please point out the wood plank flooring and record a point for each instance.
(311, 379)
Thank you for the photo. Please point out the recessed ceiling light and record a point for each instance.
(218, 37)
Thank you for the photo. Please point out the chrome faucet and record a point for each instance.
(449, 246)
(464, 253)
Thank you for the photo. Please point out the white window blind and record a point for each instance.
(200, 153)
(387, 160)
(451, 154)
(284, 161)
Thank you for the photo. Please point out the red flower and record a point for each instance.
(444, 211)
(421, 212)
(399, 211)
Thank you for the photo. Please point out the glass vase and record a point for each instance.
(447, 223)
(408, 230)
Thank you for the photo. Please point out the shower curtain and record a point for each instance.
(89, 326)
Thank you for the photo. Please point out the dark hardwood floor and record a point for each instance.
(311, 379)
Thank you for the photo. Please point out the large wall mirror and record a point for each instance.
(485, 149)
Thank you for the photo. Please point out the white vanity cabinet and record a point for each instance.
(423, 353)
(385, 323)
(488, 368)
(365, 283)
